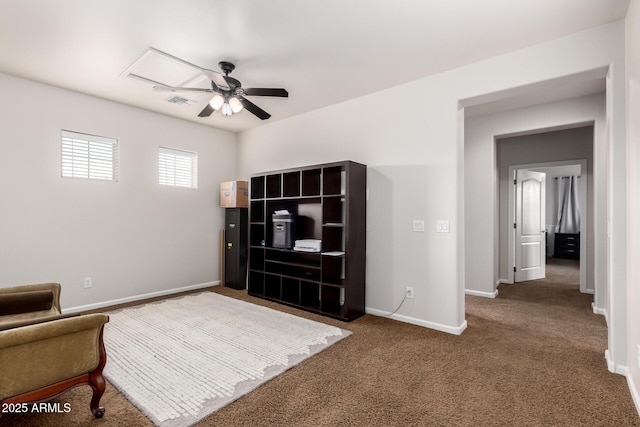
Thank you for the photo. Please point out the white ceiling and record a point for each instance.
(322, 52)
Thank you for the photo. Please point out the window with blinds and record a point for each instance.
(177, 168)
(89, 156)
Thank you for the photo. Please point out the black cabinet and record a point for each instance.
(235, 246)
(567, 245)
(328, 202)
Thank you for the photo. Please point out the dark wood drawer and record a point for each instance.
(568, 238)
(567, 245)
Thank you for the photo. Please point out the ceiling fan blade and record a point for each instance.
(254, 109)
(207, 111)
(163, 88)
(282, 93)
(217, 78)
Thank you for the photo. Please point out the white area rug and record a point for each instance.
(182, 359)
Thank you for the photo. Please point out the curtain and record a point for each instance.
(568, 206)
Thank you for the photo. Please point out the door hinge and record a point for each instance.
(514, 225)
(515, 182)
(514, 268)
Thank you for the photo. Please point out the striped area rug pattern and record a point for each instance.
(182, 359)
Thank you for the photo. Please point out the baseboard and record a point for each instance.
(600, 311)
(431, 325)
(125, 300)
(481, 294)
(505, 281)
(635, 393)
(614, 367)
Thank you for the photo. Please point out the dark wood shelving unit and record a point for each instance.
(329, 202)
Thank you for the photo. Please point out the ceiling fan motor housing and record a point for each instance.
(227, 67)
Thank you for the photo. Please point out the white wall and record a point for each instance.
(410, 137)
(633, 195)
(485, 267)
(132, 237)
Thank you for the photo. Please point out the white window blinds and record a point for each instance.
(89, 156)
(177, 168)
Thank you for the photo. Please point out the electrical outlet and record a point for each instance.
(409, 292)
(87, 282)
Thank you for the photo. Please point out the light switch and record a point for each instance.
(418, 225)
(442, 226)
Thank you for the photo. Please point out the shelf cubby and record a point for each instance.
(257, 187)
(272, 286)
(333, 239)
(256, 282)
(256, 258)
(257, 211)
(256, 234)
(290, 290)
(332, 299)
(333, 270)
(333, 210)
(291, 184)
(333, 180)
(310, 295)
(311, 182)
(274, 186)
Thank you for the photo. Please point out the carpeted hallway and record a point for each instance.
(533, 356)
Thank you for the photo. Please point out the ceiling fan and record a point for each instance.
(229, 95)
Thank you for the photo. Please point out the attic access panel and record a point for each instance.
(157, 67)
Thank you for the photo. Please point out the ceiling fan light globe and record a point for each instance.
(226, 110)
(236, 105)
(216, 102)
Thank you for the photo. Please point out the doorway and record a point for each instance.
(487, 121)
(551, 150)
(553, 171)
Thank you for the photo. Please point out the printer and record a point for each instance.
(308, 245)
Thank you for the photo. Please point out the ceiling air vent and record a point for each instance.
(178, 100)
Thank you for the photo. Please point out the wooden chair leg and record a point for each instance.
(98, 385)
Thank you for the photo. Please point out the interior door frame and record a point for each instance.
(584, 238)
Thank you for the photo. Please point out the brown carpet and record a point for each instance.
(534, 356)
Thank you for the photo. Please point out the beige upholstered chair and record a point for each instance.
(44, 353)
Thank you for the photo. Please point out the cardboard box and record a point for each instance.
(234, 194)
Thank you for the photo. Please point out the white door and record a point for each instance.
(530, 225)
